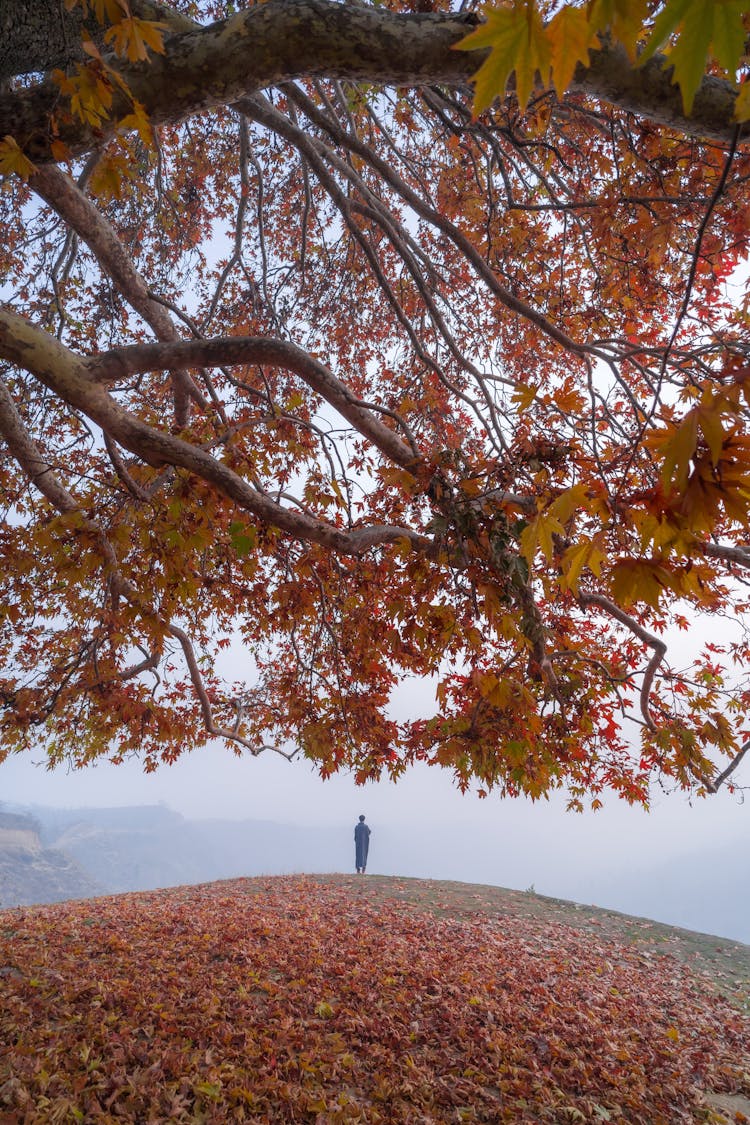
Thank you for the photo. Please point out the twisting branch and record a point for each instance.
(716, 784)
(649, 639)
(68, 201)
(286, 39)
(120, 363)
(68, 376)
(231, 735)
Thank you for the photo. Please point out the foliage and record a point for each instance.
(345, 387)
(292, 1000)
(696, 33)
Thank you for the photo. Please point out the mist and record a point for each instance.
(681, 862)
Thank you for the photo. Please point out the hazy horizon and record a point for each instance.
(422, 826)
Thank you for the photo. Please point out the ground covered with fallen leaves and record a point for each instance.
(299, 999)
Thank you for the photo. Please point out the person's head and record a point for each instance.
(361, 819)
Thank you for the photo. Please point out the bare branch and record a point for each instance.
(715, 785)
(62, 371)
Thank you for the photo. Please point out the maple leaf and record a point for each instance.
(705, 28)
(571, 34)
(518, 44)
(159, 978)
(132, 38)
(376, 389)
(13, 160)
(623, 19)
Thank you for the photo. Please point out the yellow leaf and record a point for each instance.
(572, 500)
(539, 532)
(623, 19)
(498, 692)
(90, 48)
(60, 151)
(679, 450)
(139, 121)
(584, 554)
(709, 419)
(132, 38)
(703, 27)
(110, 11)
(109, 176)
(518, 42)
(673, 1033)
(12, 159)
(637, 580)
(570, 36)
(523, 396)
(398, 478)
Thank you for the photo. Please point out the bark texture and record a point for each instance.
(291, 39)
(37, 36)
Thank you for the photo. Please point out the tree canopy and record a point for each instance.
(376, 341)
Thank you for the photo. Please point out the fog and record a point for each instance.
(681, 862)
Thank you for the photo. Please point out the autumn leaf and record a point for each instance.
(623, 19)
(539, 533)
(518, 44)
(636, 580)
(193, 1003)
(587, 553)
(132, 38)
(13, 160)
(571, 35)
(678, 447)
(138, 121)
(309, 395)
(704, 28)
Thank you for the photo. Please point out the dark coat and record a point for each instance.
(361, 844)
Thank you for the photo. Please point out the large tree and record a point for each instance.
(304, 357)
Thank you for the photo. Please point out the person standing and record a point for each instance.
(361, 845)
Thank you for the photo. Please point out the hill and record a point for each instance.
(370, 999)
(32, 873)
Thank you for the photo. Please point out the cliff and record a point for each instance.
(31, 873)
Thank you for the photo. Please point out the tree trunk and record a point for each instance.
(35, 37)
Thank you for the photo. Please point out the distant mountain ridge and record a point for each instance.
(146, 847)
(74, 853)
(31, 873)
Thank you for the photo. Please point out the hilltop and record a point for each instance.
(371, 999)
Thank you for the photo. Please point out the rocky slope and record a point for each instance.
(31, 873)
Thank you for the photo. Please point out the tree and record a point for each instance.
(300, 351)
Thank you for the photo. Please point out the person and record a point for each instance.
(361, 845)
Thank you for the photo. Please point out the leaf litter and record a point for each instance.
(304, 999)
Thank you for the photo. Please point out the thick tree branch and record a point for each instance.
(66, 198)
(28, 455)
(288, 39)
(120, 363)
(69, 377)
